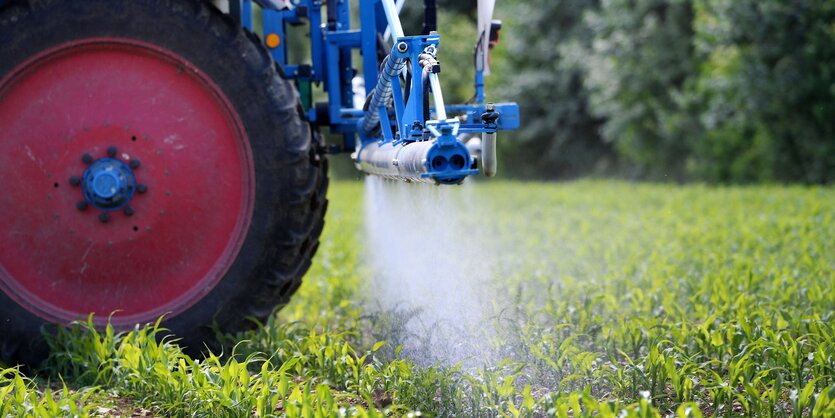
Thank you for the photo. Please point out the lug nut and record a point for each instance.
(134, 164)
(82, 205)
(75, 180)
(104, 217)
(129, 211)
(141, 188)
(112, 151)
(87, 158)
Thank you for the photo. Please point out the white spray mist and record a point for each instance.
(431, 256)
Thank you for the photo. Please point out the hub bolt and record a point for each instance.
(134, 164)
(82, 205)
(87, 158)
(129, 211)
(141, 188)
(75, 180)
(104, 217)
(112, 151)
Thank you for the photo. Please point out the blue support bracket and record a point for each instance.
(398, 88)
(241, 12)
(414, 110)
(509, 118)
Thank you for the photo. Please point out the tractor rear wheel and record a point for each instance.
(153, 163)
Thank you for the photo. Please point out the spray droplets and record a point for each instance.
(431, 264)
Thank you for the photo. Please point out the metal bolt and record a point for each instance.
(402, 47)
(129, 211)
(112, 151)
(87, 158)
(491, 106)
(104, 217)
(75, 180)
(82, 205)
(141, 188)
(134, 164)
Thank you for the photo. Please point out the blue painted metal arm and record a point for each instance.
(397, 121)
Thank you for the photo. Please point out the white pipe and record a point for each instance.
(438, 95)
(400, 4)
(276, 4)
(222, 5)
(489, 165)
(485, 21)
(393, 18)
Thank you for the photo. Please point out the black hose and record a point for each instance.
(426, 86)
(383, 48)
(430, 16)
(408, 84)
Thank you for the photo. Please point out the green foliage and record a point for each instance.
(284, 380)
(618, 300)
(19, 396)
(559, 135)
(638, 66)
(768, 82)
(715, 90)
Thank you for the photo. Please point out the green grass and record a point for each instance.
(616, 300)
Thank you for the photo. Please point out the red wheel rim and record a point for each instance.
(151, 105)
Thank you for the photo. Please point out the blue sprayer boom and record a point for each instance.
(158, 159)
(394, 132)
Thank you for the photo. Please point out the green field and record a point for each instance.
(611, 300)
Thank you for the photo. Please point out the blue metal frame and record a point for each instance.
(331, 45)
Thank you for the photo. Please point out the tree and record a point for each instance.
(559, 136)
(639, 68)
(768, 90)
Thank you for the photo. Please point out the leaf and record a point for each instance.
(527, 399)
(716, 339)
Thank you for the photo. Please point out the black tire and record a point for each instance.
(290, 171)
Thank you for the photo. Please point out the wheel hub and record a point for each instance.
(108, 184)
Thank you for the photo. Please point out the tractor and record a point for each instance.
(159, 159)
